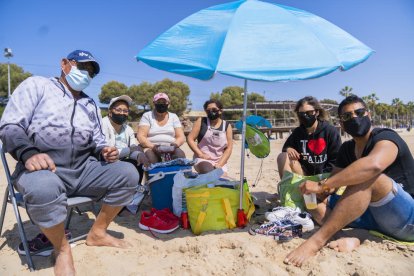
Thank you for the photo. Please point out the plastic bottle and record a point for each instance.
(184, 213)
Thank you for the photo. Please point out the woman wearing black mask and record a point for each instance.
(160, 132)
(215, 139)
(120, 135)
(313, 146)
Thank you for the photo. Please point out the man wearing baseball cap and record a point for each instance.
(53, 129)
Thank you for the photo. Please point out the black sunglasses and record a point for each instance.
(307, 113)
(346, 116)
(212, 110)
(85, 66)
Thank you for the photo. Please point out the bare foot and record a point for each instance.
(301, 254)
(344, 244)
(64, 263)
(94, 239)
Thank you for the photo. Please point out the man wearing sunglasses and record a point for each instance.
(377, 169)
(53, 129)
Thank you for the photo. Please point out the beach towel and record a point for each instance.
(385, 237)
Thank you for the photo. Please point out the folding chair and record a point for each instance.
(16, 199)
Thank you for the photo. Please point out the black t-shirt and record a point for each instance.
(203, 128)
(318, 150)
(401, 170)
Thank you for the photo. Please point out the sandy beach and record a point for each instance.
(227, 252)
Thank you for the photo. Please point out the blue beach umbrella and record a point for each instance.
(254, 40)
(254, 120)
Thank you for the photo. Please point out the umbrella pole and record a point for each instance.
(241, 217)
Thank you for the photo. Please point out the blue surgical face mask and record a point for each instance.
(78, 79)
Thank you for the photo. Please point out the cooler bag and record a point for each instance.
(162, 180)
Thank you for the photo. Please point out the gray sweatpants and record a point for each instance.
(45, 193)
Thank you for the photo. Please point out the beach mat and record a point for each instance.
(385, 237)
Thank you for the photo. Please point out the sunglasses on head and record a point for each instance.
(346, 116)
(306, 113)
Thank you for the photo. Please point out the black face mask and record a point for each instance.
(161, 108)
(212, 115)
(119, 119)
(358, 126)
(307, 120)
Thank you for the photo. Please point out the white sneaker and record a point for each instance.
(304, 219)
(281, 212)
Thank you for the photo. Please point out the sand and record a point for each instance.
(227, 252)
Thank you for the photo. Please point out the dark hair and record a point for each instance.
(323, 115)
(214, 101)
(350, 100)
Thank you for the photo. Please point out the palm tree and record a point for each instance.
(383, 109)
(397, 104)
(371, 101)
(410, 109)
(346, 91)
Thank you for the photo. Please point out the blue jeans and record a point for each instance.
(394, 218)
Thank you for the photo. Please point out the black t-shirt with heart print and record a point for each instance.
(401, 170)
(318, 150)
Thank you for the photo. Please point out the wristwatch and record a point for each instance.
(323, 185)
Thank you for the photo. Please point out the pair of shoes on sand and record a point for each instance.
(40, 245)
(293, 214)
(160, 221)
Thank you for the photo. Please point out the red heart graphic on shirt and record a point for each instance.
(317, 146)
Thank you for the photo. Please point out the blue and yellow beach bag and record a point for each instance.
(216, 208)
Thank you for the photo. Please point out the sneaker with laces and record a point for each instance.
(281, 212)
(158, 221)
(282, 230)
(40, 245)
(304, 219)
(165, 214)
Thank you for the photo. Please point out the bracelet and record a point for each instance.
(322, 184)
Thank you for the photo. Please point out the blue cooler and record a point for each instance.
(161, 182)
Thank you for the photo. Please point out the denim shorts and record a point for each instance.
(394, 218)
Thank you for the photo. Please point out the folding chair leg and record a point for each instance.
(3, 208)
(68, 218)
(79, 211)
(22, 234)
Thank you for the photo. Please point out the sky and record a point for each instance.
(41, 33)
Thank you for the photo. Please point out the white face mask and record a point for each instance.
(78, 79)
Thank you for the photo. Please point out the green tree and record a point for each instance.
(410, 109)
(383, 110)
(346, 91)
(17, 75)
(142, 94)
(229, 96)
(371, 101)
(255, 97)
(328, 101)
(397, 105)
(111, 90)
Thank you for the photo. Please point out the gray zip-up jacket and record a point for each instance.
(43, 117)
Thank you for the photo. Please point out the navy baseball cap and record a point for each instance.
(84, 56)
